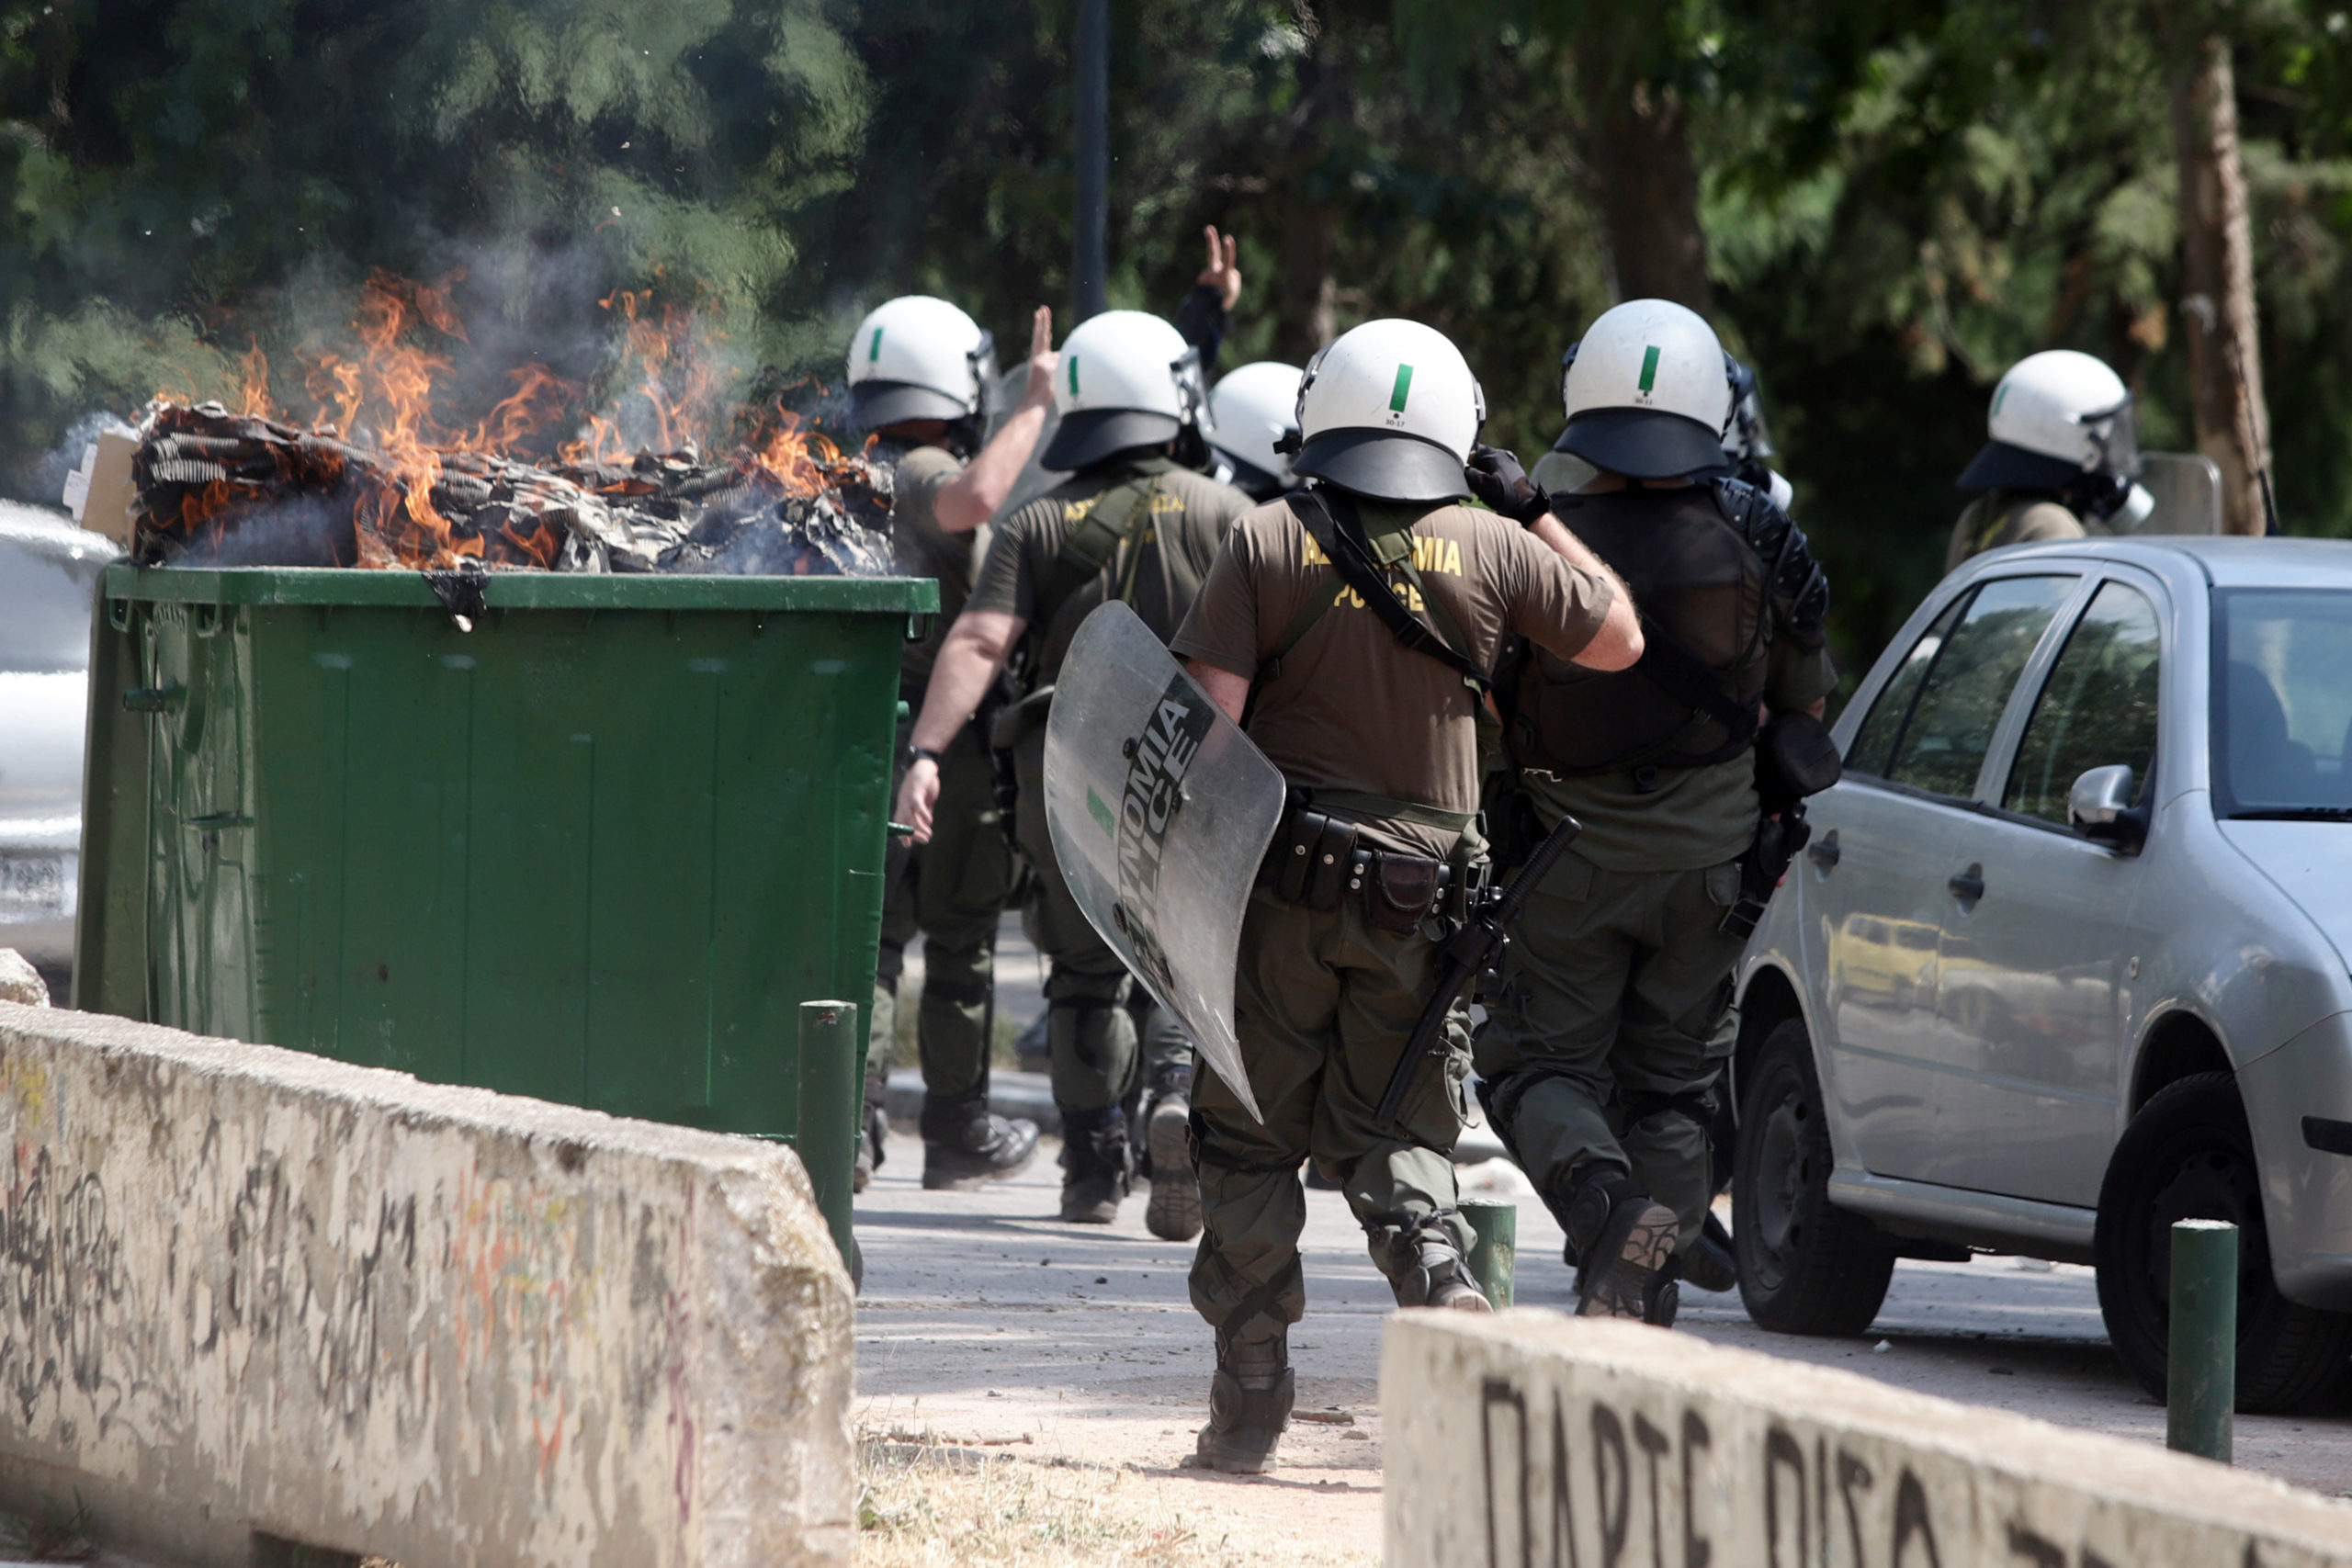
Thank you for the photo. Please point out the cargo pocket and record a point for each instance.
(1438, 1107)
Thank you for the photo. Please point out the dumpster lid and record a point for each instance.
(358, 588)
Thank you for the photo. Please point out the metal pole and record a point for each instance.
(2202, 1369)
(1088, 245)
(1494, 1247)
(830, 1088)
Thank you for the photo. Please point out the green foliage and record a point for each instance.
(1898, 198)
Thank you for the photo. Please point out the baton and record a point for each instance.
(1471, 950)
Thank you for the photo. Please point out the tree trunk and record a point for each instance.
(1649, 196)
(2217, 287)
(1304, 215)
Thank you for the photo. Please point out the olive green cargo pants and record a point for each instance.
(1322, 1004)
(953, 890)
(1613, 1025)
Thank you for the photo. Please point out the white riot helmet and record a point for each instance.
(1255, 406)
(1646, 393)
(2059, 418)
(1125, 379)
(917, 357)
(1389, 410)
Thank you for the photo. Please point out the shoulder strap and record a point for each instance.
(1351, 560)
(1116, 518)
(1688, 678)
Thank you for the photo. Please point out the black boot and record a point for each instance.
(1249, 1402)
(1097, 1165)
(1710, 1263)
(1424, 1263)
(1174, 1212)
(1621, 1243)
(964, 1143)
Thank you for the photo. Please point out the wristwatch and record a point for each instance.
(921, 754)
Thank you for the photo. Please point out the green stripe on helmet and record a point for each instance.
(874, 349)
(1073, 375)
(1649, 367)
(1404, 387)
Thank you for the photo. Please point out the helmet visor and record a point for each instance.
(2115, 436)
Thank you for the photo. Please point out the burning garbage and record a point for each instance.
(218, 489)
(378, 481)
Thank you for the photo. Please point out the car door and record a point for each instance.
(2040, 924)
(1875, 871)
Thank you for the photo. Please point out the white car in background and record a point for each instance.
(49, 585)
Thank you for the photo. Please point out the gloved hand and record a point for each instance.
(1494, 477)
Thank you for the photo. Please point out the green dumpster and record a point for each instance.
(598, 849)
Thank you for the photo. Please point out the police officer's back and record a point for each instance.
(1378, 743)
(1129, 523)
(921, 373)
(1601, 1055)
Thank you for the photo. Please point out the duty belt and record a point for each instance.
(1317, 859)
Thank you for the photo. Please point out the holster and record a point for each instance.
(1794, 758)
(1778, 842)
(1016, 719)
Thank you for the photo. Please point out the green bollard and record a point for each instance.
(831, 1055)
(2202, 1365)
(1494, 1247)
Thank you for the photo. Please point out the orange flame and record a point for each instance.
(384, 393)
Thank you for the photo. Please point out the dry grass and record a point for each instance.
(926, 1505)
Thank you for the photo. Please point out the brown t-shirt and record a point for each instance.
(1190, 513)
(1350, 708)
(924, 548)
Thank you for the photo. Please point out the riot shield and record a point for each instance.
(2187, 492)
(1161, 809)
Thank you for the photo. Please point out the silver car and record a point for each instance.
(2066, 959)
(49, 575)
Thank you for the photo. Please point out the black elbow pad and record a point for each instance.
(1800, 588)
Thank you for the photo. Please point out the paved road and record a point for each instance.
(984, 1320)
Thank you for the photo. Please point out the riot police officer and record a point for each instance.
(1255, 412)
(1599, 1057)
(2060, 462)
(1129, 523)
(920, 374)
(1299, 632)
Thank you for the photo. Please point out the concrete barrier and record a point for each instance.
(1534, 1438)
(253, 1297)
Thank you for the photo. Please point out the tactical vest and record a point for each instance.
(1706, 596)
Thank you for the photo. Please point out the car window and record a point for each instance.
(1940, 743)
(2282, 709)
(1874, 741)
(2098, 708)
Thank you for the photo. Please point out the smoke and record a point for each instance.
(51, 470)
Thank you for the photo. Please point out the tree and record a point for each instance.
(2217, 287)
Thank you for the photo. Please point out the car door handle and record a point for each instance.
(1826, 852)
(1969, 886)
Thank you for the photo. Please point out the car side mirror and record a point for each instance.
(2100, 809)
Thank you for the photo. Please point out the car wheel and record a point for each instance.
(2188, 1156)
(1805, 1266)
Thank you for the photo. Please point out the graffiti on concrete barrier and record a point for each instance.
(63, 1272)
(1582, 1482)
